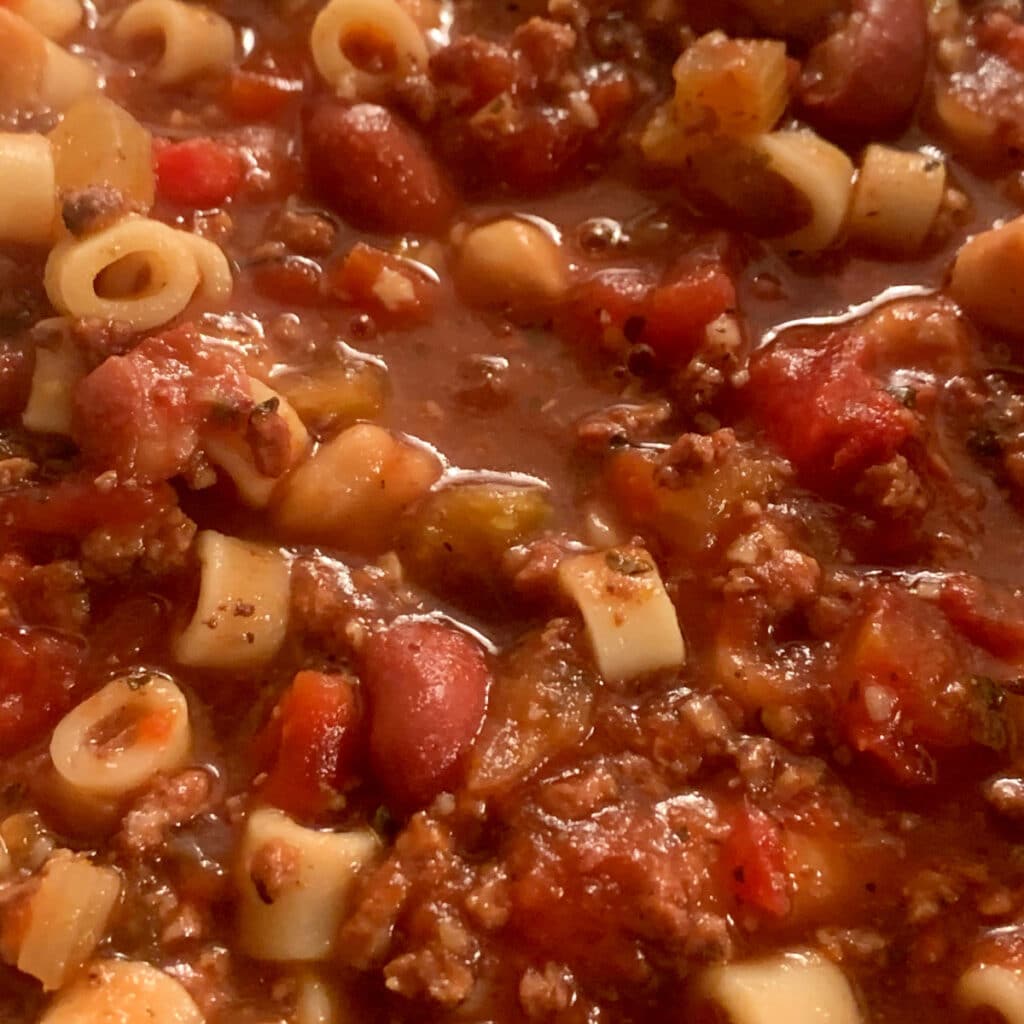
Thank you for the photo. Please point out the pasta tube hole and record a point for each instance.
(368, 48)
(130, 277)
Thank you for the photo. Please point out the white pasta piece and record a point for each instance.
(28, 195)
(821, 173)
(386, 23)
(630, 619)
(316, 1002)
(195, 40)
(986, 275)
(138, 271)
(798, 988)
(56, 19)
(65, 77)
(56, 374)
(234, 455)
(100, 143)
(67, 918)
(995, 987)
(896, 198)
(511, 261)
(294, 885)
(123, 992)
(241, 616)
(123, 735)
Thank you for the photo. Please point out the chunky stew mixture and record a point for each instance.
(511, 511)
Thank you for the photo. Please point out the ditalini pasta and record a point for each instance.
(56, 19)
(123, 992)
(631, 622)
(137, 271)
(295, 914)
(58, 368)
(119, 738)
(28, 198)
(383, 23)
(195, 40)
(66, 917)
(993, 987)
(799, 988)
(241, 616)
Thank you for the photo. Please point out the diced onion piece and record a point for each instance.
(123, 735)
(234, 455)
(195, 40)
(67, 918)
(995, 987)
(54, 379)
(56, 19)
(896, 198)
(352, 490)
(630, 619)
(821, 173)
(28, 197)
(730, 86)
(384, 23)
(987, 274)
(100, 143)
(798, 988)
(123, 992)
(295, 884)
(511, 262)
(336, 395)
(241, 616)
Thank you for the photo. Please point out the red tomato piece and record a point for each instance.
(38, 679)
(606, 307)
(259, 97)
(427, 685)
(310, 743)
(1000, 34)
(679, 310)
(395, 293)
(830, 417)
(754, 858)
(987, 615)
(197, 172)
(141, 413)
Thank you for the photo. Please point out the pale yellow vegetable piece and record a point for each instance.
(294, 913)
(994, 987)
(896, 199)
(28, 198)
(67, 918)
(630, 619)
(988, 277)
(798, 988)
(123, 992)
(57, 373)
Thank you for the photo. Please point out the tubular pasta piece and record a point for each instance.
(293, 911)
(138, 271)
(123, 992)
(123, 735)
(985, 277)
(630, 619)
(316, 1002)
(235, 456)
(28, 196)
(67, 918)
(100, 143)
(56, 19)
(995, 987)
(242, 613)
(896, 198)
(798, 988)
(195, 40)
(54, 378)
(24, 56)
(383, 21)
(65, 77)
(819, 171)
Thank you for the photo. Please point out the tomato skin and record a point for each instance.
(427, 685)
(754, 859)
(363, 276)
(197, 172)
(680, 309)
(38, 679)
(311, 741)
(988, 616)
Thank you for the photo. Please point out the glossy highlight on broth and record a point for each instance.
(511, 511)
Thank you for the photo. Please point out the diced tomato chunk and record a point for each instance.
(754, 859)
(38, 679)
(678, 310)
(310, 743)
(141, 414)
(395, 293)
(197, 172)
(604, 308)
(830, 417)
(987, 615)
(428, 685)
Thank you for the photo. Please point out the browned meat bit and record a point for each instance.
(156, 546)
(274, 866)
(547, 48)
(167, 803)
(621, 425)
(16, 469)
(547, 992)
(1005, 795)
(50, 595)
(268, 436)
(305, 232)
(893, 488)
(91, 209)
(97, 339)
